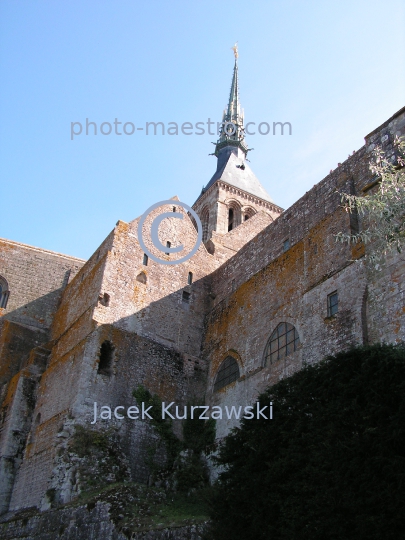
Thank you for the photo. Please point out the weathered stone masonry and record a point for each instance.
(171, 335)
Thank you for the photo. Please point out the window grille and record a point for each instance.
(283, 341)
(227, 373)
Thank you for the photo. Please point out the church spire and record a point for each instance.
(232, 132)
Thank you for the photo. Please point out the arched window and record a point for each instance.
(248, 213)
(4, 292)
(227, 373)
(234, 215)
(230, 219)
(106, 358)
(283, 341)
(205, 218)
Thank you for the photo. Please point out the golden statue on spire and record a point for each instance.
(235, 50)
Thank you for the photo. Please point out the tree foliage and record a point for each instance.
(383, 211)
(331, 463)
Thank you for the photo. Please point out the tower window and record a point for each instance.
(230, 219)
(168, 244)
(283, 341)
(333, 302)
(186, 297)
(106, 358)
(190, 278)
(248, 213)
(227, 373)
(174, 208)
(286, 245)
(145, 259)
(205, 216)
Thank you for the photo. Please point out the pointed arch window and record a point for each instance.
(4, 293)
(283, 341)
(227, 373)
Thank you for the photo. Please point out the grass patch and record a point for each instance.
(136, 507)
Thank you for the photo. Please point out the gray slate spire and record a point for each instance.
(232, 131)
(231, 149)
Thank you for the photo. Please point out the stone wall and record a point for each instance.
(71, 385)
(83, 523)
(36, 278)
(263, 285)
(171, 336)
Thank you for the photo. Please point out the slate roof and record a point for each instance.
(229, 170)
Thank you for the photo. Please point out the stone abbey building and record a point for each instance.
(267, 291)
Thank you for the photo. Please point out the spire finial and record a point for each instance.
(235, 50)
(232, 133)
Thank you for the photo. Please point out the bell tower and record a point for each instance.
(233, 194)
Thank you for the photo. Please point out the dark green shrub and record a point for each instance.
(331, 463)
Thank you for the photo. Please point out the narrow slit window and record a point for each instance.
(168, 244)
(106, 356)
(145, 259)
(286, 245)
(190, 278)
(230, 219)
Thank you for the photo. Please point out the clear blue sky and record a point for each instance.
(334, 70)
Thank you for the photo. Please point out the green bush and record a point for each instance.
(331, 463)
(183, 463)
(85, 440)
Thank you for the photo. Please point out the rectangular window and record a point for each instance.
(333, 302)
(186, 297)
(145, 259)
(286, 245)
